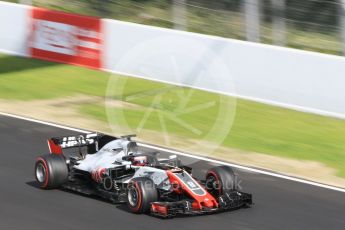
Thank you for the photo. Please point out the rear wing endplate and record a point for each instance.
(93, 140)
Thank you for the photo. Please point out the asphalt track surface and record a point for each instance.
(279, 203)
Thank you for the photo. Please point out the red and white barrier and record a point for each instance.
(66, 38)
(296, 79)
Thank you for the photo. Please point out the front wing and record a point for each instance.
(229, 201)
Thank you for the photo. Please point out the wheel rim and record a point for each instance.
(41, 173)
(133, 196)
(212, 185)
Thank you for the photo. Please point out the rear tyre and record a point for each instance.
(141, 193)
(51, 171)
(220, 180)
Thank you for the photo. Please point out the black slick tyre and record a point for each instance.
(141, 193)
(220, 180)
(51, 171)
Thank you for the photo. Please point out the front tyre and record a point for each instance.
(141, 193)
(51, 171)
(220, 180)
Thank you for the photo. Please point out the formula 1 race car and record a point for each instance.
(117, 170)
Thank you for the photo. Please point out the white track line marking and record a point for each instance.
(44, 122)
(245, 168)
(273, 174)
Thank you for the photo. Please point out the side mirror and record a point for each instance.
(174, 161)
(127, 158)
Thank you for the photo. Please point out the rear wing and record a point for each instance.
(93, 142)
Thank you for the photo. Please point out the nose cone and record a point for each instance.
(208, 203)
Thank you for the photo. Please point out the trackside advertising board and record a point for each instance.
(66, 38)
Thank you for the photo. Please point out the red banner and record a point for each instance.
(66, 38)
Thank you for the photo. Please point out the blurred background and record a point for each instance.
(316, 25)
(308, 145)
